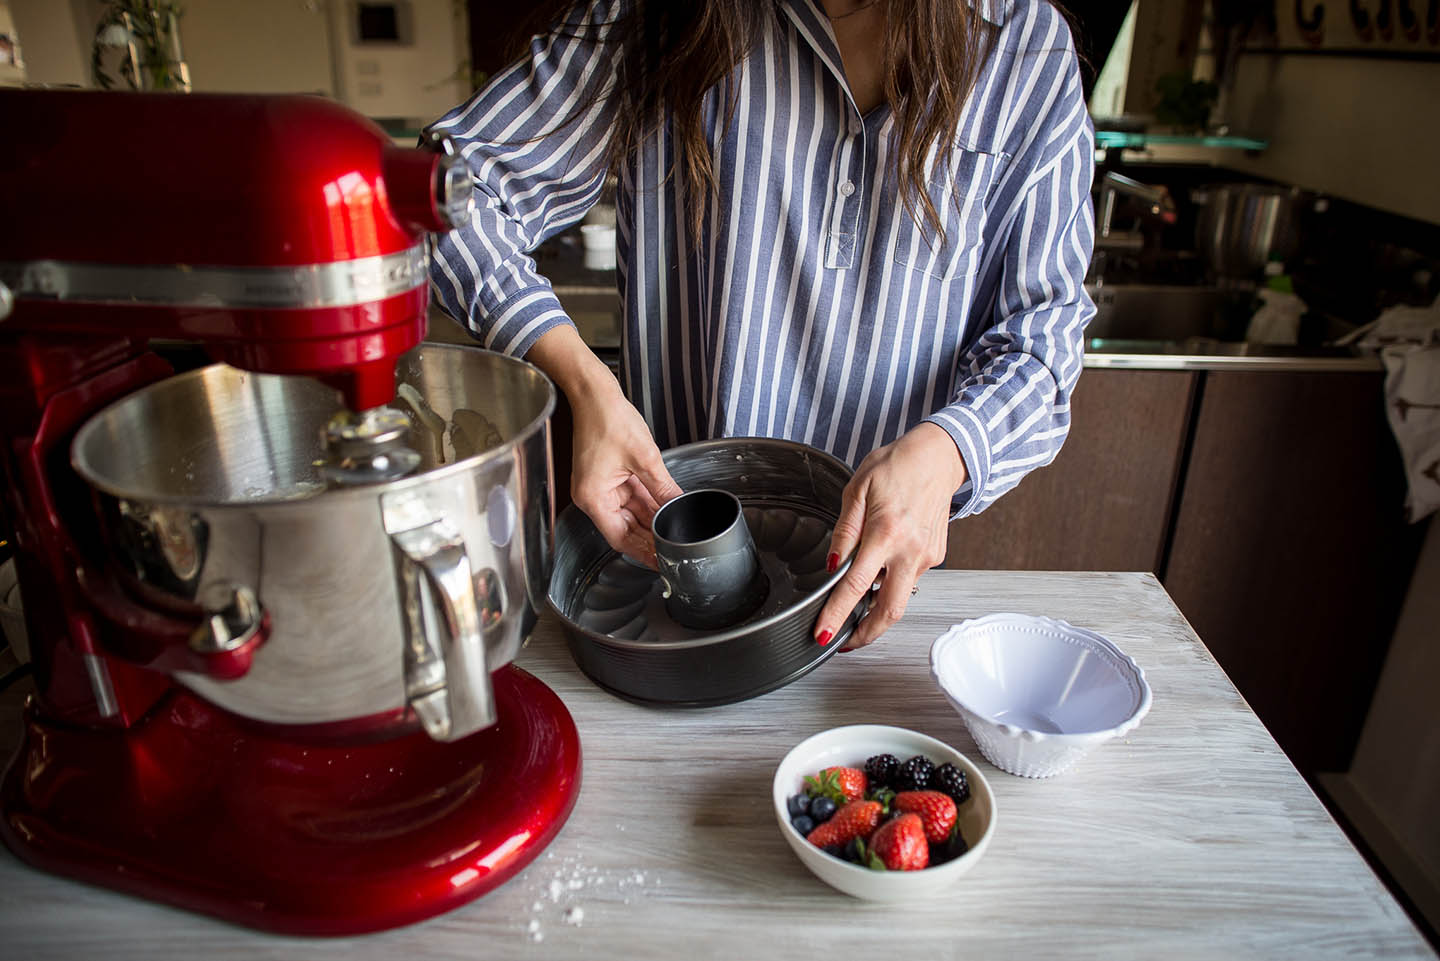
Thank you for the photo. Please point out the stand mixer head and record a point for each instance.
(287, 234)
(184, 673)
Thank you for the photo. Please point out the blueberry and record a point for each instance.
(802, 823)
(822, 809)
(835, 850)
(798, 804)
(854, 851)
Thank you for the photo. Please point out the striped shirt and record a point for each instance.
(813, 307)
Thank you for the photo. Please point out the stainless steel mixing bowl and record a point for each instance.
(381, 597)
(613, 611)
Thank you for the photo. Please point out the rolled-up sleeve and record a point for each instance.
(1011, 409)
(535, 140)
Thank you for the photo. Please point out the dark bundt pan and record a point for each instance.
(614, 615)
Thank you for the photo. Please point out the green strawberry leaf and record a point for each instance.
(826, 784)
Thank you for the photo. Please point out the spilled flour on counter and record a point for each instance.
(556, 887)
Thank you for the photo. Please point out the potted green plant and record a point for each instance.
(147, 32)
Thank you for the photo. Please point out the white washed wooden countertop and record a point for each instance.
(1192, 838)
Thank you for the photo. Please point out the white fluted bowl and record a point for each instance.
(1036, 694)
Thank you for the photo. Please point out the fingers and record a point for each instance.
(889, 607)
(846, 535)
(862, 573)
(864, 570)
(641, 503)
(619, 479)
(623, 531)
(652, 473)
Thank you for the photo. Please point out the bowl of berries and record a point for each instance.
(883, 813)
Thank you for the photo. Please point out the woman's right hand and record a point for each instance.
(617, 477)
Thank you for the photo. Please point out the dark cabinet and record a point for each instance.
(1270, 504)
(1105, 502)
(1291, 553)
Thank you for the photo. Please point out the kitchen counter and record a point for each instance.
(590, 297)
(1200, 353)
(1193, 837)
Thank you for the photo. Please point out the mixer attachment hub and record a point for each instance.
(369, 447)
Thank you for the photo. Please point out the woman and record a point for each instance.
(859, 224)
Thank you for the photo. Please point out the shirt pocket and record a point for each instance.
(961, 193)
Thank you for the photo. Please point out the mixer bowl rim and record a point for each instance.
(745, 629)
(334, 495)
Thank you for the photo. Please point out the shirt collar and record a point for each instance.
(994, 11)
(810, 19)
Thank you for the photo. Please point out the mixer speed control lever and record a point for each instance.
(235, 617)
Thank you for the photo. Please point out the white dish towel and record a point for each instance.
(1408, 341)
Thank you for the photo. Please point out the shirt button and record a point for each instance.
(846, 189)
(855, 126)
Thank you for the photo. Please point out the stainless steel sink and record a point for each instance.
(1153, 312)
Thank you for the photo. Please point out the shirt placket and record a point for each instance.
(846, 179)
(846, 182)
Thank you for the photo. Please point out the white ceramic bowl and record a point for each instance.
(1036, 693)
(598, 242)
(849, 747)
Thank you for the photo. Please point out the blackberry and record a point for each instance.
(948, 849)
(915, 774)
(880, 770)
(952, 781)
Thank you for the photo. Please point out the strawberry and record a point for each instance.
(839, 784)
(855, 820)
(899, 844)
(937, 812)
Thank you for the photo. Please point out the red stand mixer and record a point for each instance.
(273, 672)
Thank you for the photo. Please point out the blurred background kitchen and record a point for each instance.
(1259, 423)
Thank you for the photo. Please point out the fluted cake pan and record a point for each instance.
(614, 614)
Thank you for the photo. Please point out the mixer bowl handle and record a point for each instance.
(447, 682)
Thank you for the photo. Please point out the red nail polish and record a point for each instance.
(824, 637)
(832, 562)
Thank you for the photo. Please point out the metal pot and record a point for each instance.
(379, 598)
(1240, 227)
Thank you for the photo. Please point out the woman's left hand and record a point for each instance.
(895, 515)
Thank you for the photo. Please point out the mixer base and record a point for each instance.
(195, 809)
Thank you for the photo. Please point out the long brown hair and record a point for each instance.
(673, 52)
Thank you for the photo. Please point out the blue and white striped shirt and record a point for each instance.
(813, 308)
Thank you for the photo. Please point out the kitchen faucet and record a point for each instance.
(1161, 206)
(1112, 185)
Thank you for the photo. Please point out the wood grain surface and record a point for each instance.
(1193, 837)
